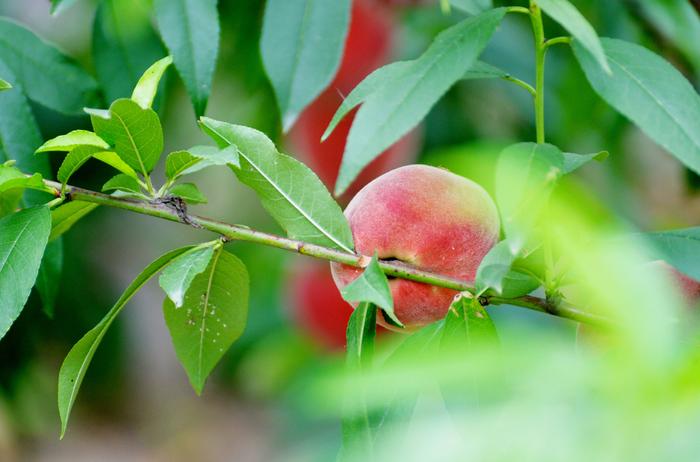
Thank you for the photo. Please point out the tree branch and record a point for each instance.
(242, 233)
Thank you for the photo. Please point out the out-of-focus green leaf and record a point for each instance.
(190, 30)
(58, 6)
(74, 366)
(189, 192)
(484, 70)
(72, 140)
(23, 238)
(372, 286)
(124, 45)
(402, 101)
(176, 278)
(681, 249)
(288, 189)
(573, 162)
(494, 267)
(64, 217)
(517, 283)
(301, 46)
(49, 277)
(135, 133)
(73, 161)
(212, 317)
(573, 21)
(147, 86)
(4, 85)
(46, 75)
(650, 92)
(472, 6)
(122, 182)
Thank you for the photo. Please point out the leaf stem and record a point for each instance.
(517, 9)
(556, 41)
(522, 84)
(232, 232)
(540, 52)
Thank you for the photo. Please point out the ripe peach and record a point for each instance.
(430, 218)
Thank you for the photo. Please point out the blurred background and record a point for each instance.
(269, 398)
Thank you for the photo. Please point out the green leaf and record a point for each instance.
(468, 324)
(301, 46)
(525, 176)
(23, 238)
(181, 163)
(517, 283)
(124, 45)
(190, 30)
(483, 70)
(680, 248)
(288, 189)
(12, 185)
(399, 104)
(176, 279)
(189, 192)
(135, 133)
(122, 182)
(573, 21)
(64, 217)
(472, 6)
(372, 286)
(4, 85)
(58, 6)
(573, 162)
(49, 277)
(147, 86)
(78, 359)
(651, 93)
(49, 77)
(495, 267)
(72, 140)
(113, 160)
(73, 161)
(212, 317)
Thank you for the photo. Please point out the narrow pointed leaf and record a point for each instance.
(566, 14)
(176, 279)
(76, 363)
(190, 30)
(372, 286)
(147, 86)
(196, 158)
(4, 85)
(402, 102)
(23, 238)
(484, 70)
(212, 317)
(64, 217)
(288, 189)
(651, 93)
(573, 162)
(72, 140)
(122, 182)
(189, 192)
(301, 47)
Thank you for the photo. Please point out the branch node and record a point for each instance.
(178, 205)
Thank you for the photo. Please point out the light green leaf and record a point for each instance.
(135, 133)
(494, 268)
(288, 189)
(122, 182)
(12, 185)
(483, 70)
(23, 238)
(566, 14)
(73, 161)
(74, 366)
(212, 317)
(46, 75)
(4, 85)
(58, 6)
(49, 278)
(64, 217)
(472, 6)
(177, 162)
(124, 45)
(181, 163)
(651, 93)
(680, 248)
(573, 162)
(190, 30)
(147, 86)
(517, 283)
(72, 140)
(399, 104)
(113, 160)
(372, 286)
(176, 278)
(468, 324)
(301, 47)
(189, 192)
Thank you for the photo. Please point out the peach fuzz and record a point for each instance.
(427, 217)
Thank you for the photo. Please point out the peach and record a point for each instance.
(429, 218)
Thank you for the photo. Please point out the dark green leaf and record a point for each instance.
(23, 238)
(472, 6)
(78, 359)
(288, 189)
(372, 286)
(135, 133)
(650, 92)
(573, 21)
(122, 182)
(72, 140)
(680, 248)
(176, 278)
(573, 161)
(49, 278)
(124, 45)
(190, 30)
(64, 217)
(301, 46)
(189, 192)
(402, 101)
(45, 74)
(212, 317)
